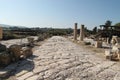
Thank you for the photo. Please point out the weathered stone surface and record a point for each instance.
(30, 41)
(117, 76)
(3, 74)
(115, 40)
(15, 50)
(82, 33)
(60, 59)
(5, 58)
(22, 72)
(39, 69)
(75, 31)
(25, 76)
(26, 52)
(98, 44)
(35, 77)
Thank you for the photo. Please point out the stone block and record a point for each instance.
(5, 58)
(15, 50)
(3, 74)
(26, 51)
(25, 76)
(98, 44)
(75, 31)
(30, 41)
(21, 73)
(112, 55)
(35, 77)
(108, 54)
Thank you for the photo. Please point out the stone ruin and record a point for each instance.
(98, 44)
(30, 41)
(14, 52)
(5, 57)
(26, 52)
(81, 32)
(115, 40)
(75, 32)
(114, 53)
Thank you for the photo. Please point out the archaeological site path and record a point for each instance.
(60, 59)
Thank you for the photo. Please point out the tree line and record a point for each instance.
(20, 32)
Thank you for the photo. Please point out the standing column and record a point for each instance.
(1, 33)
(75, 32)
(82, 33)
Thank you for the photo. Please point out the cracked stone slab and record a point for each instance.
(60, 59)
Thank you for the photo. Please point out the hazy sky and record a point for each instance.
(59, 13)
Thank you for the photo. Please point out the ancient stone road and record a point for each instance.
(60, 59)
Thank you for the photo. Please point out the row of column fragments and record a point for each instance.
(98, 44)
(81, 32)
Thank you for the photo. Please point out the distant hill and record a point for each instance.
(8, 27)
(4, 25)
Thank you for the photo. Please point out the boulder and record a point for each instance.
(2, 47)
(5, 58)
(115, 39)
(114, 53)
(98, 44)
(108, 54)
(26, 51)
(15, 50)
(30, 41)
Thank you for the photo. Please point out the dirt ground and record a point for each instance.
(60, 59)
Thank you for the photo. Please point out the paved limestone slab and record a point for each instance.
(61, 59)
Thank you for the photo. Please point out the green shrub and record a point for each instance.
(87, 43)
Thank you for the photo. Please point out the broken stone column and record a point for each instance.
(82, 33)
(75, 32)
(98, 44)
(1, 33)
(107, 41)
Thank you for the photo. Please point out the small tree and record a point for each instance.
(94, 30)
(117, 24)
(108, 23)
